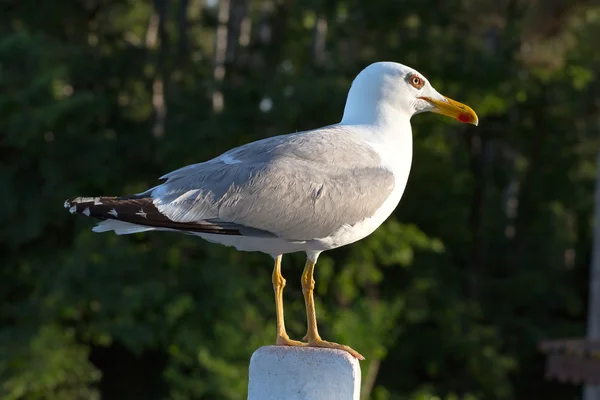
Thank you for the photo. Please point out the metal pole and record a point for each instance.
(593, 392)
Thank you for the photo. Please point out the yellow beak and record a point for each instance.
(453, 109)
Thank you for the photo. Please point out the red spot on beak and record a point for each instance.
(464, 117)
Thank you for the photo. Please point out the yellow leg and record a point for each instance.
(278, 284)
(312, 334)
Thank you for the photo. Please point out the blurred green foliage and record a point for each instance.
(486, 255)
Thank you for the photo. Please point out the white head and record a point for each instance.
(386, 92)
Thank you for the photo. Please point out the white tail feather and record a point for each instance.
(120, 227)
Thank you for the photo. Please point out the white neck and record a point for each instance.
(385, 125)
(379, 114)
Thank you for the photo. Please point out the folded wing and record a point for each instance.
(295, 187)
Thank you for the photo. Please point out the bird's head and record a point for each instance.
(386, 91)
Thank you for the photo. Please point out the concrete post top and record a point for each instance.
(303, 373)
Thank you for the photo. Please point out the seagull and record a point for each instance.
(308, 191)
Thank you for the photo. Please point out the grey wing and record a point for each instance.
(297, 187)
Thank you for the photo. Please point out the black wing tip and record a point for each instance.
(139, 210)
(83, 205)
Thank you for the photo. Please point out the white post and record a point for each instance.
(303, 373)
(593, 392)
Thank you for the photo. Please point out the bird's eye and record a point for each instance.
(416, 81)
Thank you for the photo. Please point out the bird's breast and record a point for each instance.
(396, 159)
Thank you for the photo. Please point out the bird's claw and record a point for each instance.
(286, 341)
(331, 345)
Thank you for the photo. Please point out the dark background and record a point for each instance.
(487, 254)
